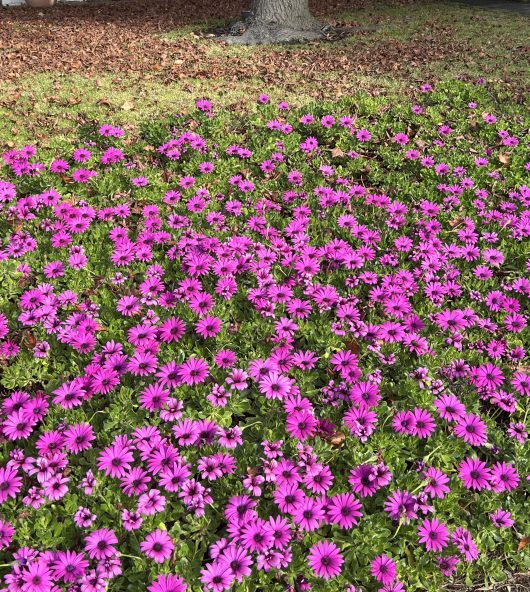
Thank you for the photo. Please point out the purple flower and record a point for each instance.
(325, 560)
(158, 546)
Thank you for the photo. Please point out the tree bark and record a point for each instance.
(278, 21)
(293, 14)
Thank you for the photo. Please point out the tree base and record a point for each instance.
(259, 33)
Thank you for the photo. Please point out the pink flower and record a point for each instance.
(474, 474)
(384, 569)
(325, 559)
(157, 545)
(100, 544)
(194, 371)
(167, 583)
(471, 429)
(433, 534)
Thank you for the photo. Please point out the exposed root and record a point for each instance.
(266, 33)
(254, 31)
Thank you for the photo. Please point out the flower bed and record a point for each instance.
(271, 352)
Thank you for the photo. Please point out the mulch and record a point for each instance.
(121, 37)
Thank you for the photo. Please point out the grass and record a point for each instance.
(447, 40)
(498, 39)
(49, 107)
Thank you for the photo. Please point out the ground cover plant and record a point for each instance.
(279, 351)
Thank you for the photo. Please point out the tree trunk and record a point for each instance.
(277, 21)
(293, 14)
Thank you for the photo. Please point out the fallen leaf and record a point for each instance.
(336, 439)
(353, 346)
(29, 340)
(133, 44)
(523, 543)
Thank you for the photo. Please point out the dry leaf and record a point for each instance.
(336, 439)
(353, 346)
(29, 340)
(523, 543)
(504, 158)
(64, 40)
